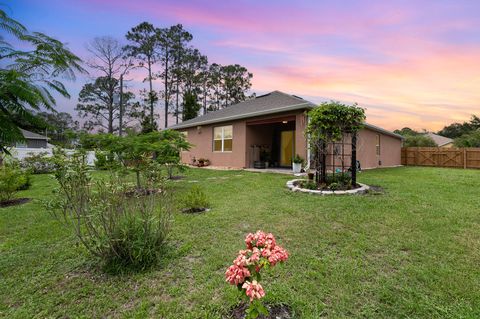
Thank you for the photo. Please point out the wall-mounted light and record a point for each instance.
(284, 122)
(199, 129)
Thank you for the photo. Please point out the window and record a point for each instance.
(222, 138)
(377, 144)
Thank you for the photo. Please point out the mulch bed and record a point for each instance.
(13, 202)
(176, 177)
(195, 210)
(276, 312)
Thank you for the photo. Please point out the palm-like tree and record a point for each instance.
(29, 77)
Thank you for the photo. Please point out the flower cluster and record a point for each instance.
(262, 251)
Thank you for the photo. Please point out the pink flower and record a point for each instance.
(236, 275)
(278, 254)
(241, 259)
(253, 290)
(249, 239)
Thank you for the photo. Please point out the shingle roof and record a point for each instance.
(270, 103)
(439, 139)
(273, 102)
(32, 136)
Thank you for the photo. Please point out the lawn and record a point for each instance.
(411, 252)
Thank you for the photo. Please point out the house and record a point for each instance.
(272, 126)
(440, 140)
(32, 140)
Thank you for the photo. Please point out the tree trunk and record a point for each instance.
(166, 88)
(120, 116)
(176, 105)
(110, 116)
(204, 98)
(151, 93)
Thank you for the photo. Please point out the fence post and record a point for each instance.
(464, 158)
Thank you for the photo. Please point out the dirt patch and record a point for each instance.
(276, 312)
(176, 177)
(195, 210)
(14, 202)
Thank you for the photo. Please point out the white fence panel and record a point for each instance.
(21, 152)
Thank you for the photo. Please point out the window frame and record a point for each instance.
(222, 139)
(378, 144)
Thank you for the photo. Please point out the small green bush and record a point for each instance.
(343, 180)
(334, 186)
(194, 200)
(104, 160)
(38, 163)
(309, 185)
(12, 179)
(122, 229)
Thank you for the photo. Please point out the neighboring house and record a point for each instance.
(32, 140)
(441, 141)
(237, 135)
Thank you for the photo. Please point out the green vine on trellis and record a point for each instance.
(329, 123)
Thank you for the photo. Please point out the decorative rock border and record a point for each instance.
(360, 190)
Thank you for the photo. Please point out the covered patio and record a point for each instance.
(271, 142)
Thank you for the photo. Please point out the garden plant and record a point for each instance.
(329, 125)
(261, 252)
(120, 228)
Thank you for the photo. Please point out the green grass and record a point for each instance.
(412, 252)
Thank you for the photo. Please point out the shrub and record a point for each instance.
(261, 252)
(419, 141)
(12, 179)
(104, 160)
(121, 229)
(334, 186)
(471, 139)
(38, 163)
(297, 159)
(310, 184)
(341, 180)
(195, 200)
(203, 162)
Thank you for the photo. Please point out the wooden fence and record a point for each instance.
(441, 157)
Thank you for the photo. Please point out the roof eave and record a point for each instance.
(300, 106)
(382, 130)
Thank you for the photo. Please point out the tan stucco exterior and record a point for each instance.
(390, 149)
(258, 131)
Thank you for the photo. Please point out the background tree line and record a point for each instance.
(178, 76)
(466, 134)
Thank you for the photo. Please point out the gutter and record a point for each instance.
(245, 115)
(294, 107)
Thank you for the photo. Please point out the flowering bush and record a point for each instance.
(262, 252)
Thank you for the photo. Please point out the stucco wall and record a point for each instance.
(245, 135)
(202, 140)
(390, 149)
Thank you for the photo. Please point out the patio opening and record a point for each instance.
(271, 142)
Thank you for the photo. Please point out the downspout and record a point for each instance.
(308, 146)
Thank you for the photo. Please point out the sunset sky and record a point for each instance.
(409, 63)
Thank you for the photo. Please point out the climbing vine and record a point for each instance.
(329, 123)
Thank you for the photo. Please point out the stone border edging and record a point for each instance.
(361, 190)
